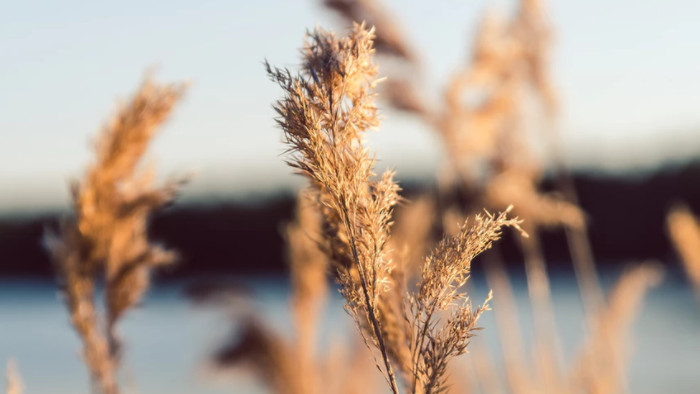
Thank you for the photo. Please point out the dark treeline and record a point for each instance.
(626, 215)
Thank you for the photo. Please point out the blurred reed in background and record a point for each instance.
(106, 239)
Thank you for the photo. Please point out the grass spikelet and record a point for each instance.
(409, 242)
(107, 237)
(444, 273)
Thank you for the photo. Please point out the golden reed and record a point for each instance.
(106, 238)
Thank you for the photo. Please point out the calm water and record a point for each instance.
(168, 339)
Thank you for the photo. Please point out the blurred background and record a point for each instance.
(626, 77)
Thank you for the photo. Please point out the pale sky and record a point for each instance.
(626, 71)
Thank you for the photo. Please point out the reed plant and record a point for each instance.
(105, 242)
(405, 290)
(325, 111)
(492, 161)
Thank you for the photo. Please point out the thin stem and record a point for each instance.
(541, 300)
(370, 312)
(420, 339)
(507, 324)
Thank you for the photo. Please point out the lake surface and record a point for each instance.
(168, 339)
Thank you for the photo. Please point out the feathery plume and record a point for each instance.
(108, 233)
(324, 113)
(444, 273)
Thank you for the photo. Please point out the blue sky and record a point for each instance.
(626, 70)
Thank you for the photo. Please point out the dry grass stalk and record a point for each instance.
(518, 373)
(324, 114)
(265, 354)
(535, 36)
(487, 377)
(603, 358)
(445, 271)
(492, 156)
(348, 372)
(289, 367)
(107, 237)
(389, 37)
(521, 172)
(471, 129)
(510, 65)
(407, 247)
(540, 209)
(14, 381)
(483, 101)
(294, 366)
(685, 234)
(548, 355)
(308, 266)
(391, 41)
(411, 236)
